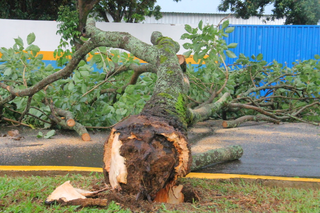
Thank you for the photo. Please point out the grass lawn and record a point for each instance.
(27, 194)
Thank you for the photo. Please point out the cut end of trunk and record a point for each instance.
(117, 169)
(145, 154)
(182, 62)
(170, 194)
(225, 124)
(85, 137)
(71, 122)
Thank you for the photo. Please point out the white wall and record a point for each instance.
(45, 32)
(47, 39)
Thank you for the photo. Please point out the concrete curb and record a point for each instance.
(296, 182)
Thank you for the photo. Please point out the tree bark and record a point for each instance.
(146, 153)
(216, 156)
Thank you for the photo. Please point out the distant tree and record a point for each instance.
(127, 10)
(297, 12)
(31, 9)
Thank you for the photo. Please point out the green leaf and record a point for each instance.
(8, 71)
(187, 54)
(259, 57)
(232, 45)
(85, 73)
(230, 54)
(50, 134)
(34, 48)
(200, 25)
(185, 35)
(83, 88)
(39, 135)
(30, 38)
(71, 86)
(19, 41)
(188, 28)
(229, 30)
(316, 56)
(225, 24)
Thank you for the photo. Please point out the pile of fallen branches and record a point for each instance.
(75, 97)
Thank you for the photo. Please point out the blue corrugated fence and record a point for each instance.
(283, 43)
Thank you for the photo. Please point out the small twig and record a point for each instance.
(304, 121)
(13, 121)
(227, 76)
(223, 19)
(251, 77)
(31, 114)
(24, 73)
(7, 99)
(253, 108)
(26, 110)
(305, 107)
(102, 82)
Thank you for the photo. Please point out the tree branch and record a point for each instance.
(243, 119)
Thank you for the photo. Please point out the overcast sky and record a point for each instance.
(193, 6)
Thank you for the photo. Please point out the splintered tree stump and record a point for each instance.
(144, 154)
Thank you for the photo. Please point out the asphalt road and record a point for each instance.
(288, 149)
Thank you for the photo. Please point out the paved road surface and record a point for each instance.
(289, 149)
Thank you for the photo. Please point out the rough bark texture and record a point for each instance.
(204, 112)
(155, 155)
(145, 154)
(216, 156)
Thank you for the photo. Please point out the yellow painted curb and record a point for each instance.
(190, 175)
(230, 176)
(50, 168)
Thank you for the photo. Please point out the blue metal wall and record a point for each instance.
(283, 43)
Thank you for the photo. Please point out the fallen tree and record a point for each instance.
(148, 151)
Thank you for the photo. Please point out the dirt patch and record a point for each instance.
(202, 196)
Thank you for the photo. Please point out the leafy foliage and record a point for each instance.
(104, 97)
(296, 12)
(208, 47)
(90, 103)
(275, 90)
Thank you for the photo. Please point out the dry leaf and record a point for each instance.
(13, 133)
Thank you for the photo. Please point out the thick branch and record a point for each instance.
(237, 122)
(68, 116)
(207, 110)
(124, 41)
(216, 156)
(81, 130)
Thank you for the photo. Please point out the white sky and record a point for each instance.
(194, 6)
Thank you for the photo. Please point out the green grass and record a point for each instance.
(27, 194)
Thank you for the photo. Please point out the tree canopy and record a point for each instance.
(120, 10)
(127, 10)
(303, 12)
(31, 9)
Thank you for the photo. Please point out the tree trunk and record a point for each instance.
(145, 154)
